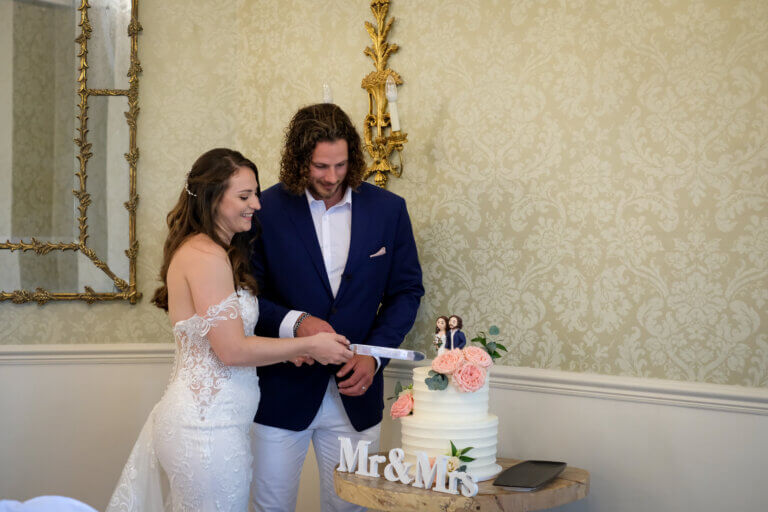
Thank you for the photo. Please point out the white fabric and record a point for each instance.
(289, 320)
(440, 338)
(45, 504)
(281, 453)
(334, 231)
(197, 435)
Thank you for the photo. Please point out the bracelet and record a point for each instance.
(301, 318)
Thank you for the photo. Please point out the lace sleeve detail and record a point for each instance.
(228, 309)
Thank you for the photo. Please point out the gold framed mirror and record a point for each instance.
(68, 153)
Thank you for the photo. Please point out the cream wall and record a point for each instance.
(589, 176)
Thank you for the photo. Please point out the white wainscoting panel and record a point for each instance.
(649, 445)
(69, 415)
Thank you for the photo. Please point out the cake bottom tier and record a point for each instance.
(434, 438)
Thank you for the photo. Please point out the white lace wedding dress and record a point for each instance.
(193, 453)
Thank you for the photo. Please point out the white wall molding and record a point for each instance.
(122, 353)
(630, 389)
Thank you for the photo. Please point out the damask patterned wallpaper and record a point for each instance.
(592, 177)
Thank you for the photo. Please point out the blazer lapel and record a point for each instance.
(361, 220)
(298, 211)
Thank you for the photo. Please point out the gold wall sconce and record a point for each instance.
(382, 101)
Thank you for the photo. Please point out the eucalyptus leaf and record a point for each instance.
(437, 382)
(398, 388)
(491, 347)
(464, 458)
(465, 450)
(493, 330)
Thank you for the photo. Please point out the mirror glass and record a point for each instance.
(109, 45)
(39, 109)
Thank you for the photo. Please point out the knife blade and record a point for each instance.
(391, 353)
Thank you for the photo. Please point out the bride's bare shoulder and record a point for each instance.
(200, 245)
(198, 251)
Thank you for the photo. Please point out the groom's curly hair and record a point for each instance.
(322, 122)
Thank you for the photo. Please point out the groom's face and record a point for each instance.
(327, 170)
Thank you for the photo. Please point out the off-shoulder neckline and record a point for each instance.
(218, 305)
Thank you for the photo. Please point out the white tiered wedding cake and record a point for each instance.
(457, 414)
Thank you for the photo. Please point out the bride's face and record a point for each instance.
(441, 324)
(234, 213)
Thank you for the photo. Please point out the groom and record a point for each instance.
(335, 254)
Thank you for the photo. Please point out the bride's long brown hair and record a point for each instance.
(195, 213)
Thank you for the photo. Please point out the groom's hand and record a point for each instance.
(357, 383)
(309, 327)
(313, 325)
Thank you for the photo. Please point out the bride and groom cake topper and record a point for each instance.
(448, 334)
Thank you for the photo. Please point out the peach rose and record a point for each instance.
(447, 362)
(478, 356)
(402, 406)
(468, 378)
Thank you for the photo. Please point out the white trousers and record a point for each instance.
(278, 456)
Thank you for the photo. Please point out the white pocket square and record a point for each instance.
(380, 252)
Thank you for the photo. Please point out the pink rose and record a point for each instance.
(469, 378)
(402, 406)
(447, 362)
(477, 356)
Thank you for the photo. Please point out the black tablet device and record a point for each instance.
(529, 475)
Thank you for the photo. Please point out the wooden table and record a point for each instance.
(381, 494)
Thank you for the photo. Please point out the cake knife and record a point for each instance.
(391, 353)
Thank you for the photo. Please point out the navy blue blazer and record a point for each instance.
(458, 340)
(376, 302)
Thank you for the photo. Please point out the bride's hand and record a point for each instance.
(298, 361)
(329, 348)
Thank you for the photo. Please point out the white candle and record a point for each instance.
(327, 94)
(390, 90)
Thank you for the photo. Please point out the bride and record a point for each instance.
(193, 453)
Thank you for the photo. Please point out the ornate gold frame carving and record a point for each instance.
(380, 146)
(128, 289)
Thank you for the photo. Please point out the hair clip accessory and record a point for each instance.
(186, 187)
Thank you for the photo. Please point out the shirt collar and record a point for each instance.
(347, 199)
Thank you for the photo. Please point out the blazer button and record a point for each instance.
(333, 310)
